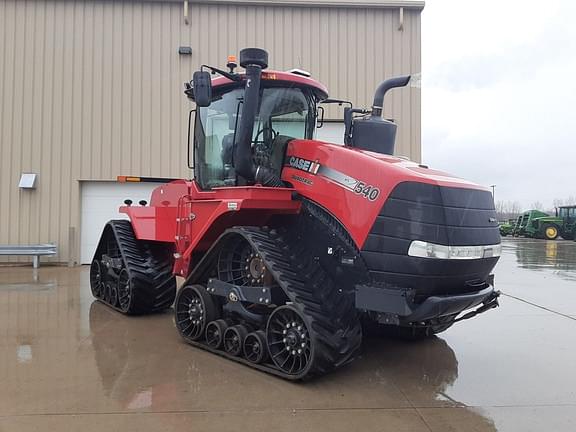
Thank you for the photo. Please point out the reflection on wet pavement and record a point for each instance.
(540, 272)
(539, 255)
(30, 281)
(69, 363)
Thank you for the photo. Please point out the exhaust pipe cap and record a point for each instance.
(254, 56)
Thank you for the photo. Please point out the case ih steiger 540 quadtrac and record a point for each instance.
(289, 245)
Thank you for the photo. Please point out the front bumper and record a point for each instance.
(396, 307)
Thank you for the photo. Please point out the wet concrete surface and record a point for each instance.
(68, 363)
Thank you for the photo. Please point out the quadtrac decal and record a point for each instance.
(365, 190)
(302, 180)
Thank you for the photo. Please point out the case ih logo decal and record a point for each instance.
(303, 164)
(367, 191)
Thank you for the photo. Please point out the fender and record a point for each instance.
(192, 219)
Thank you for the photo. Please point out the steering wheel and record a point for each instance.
(261, 132)
(261, 149)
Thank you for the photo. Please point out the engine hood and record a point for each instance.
(355, 184)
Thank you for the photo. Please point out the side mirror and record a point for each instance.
(202, 84)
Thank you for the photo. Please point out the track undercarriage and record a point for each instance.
(259, 299)
(132, 276)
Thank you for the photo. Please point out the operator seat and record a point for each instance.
(278, 153)
(227, 154)
(275, 161)
(227, 149)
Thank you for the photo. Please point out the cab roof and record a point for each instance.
(278, 77)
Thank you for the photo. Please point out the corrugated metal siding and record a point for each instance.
(93, 89)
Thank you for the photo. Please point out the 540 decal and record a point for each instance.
(367, 191)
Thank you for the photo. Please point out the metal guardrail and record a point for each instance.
(36, 251)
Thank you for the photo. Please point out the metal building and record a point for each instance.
(93, 89)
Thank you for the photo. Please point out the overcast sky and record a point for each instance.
(499, 95)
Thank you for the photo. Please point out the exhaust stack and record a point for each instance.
(373, 133)
(254, 60)
(383, 88)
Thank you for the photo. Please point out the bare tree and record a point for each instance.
(508, 209)
(499, 205)
(537, 205)
(558, 202)
(515, 209)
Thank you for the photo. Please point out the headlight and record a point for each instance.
(423, 249)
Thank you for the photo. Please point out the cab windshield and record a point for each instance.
(283, 112)
(567, 212)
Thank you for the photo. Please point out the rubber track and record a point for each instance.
(153, 284)
(333, 319)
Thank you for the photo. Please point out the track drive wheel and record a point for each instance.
(289, 340)
(194, 309)
(550, 231)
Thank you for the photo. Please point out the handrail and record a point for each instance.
(36, 251)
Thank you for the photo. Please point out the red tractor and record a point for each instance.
(289, 246)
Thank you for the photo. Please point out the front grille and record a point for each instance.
(435, 214)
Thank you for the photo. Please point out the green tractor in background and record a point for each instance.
(516, 226)
(507, 227)
(525, 222)
(550, 227)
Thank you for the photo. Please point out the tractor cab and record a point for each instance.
(567, 213)
(243, 122)
(286, 111)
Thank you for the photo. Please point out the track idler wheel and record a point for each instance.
(255, 347)
(124, 291)
(289, 341)
(234, 339)
(113, 296)
(195, 308)
(97, 282)
(215, 333)
(107, 294)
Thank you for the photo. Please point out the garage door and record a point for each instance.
(100, 202)
(331, 132)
